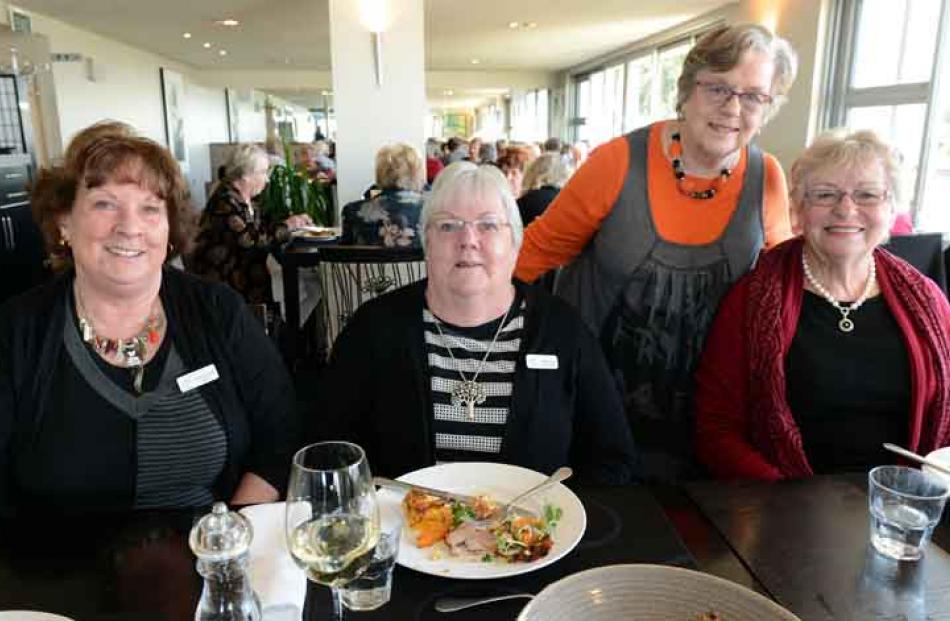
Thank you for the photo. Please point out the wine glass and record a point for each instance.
(332, 519)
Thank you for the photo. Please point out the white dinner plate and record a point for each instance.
(502, 482)
(30, 615)
(648, 593)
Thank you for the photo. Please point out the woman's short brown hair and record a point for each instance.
(721, 49)
(111, 152)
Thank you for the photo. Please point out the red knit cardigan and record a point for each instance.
(744, 427)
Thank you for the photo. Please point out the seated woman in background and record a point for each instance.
(543, 180)
(831, 345)
(124, 383)
(469, 364)
(234, 240)
(391, 217)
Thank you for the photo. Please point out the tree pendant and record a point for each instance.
(468, 393)
(845, 325)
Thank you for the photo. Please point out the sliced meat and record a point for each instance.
(471, 538)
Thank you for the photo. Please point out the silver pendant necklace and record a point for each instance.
(846, 324)
(468, 392)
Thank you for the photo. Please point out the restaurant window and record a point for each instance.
(889, 84)
(529, 116)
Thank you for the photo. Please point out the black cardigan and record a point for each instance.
(376, 392)
(208, 323)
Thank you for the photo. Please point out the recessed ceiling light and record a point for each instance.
(448, 93)
(186, 35)
(530, 25)
(476, 61)
(229, 22)
(324, 93)
(206, 45)
(222, 52)
(514, 25)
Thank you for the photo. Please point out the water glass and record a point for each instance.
(374, 587)
(905, 506)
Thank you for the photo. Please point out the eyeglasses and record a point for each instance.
(720, 94)
(862, 197)
(488, 225)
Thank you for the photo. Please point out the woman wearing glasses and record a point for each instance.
(657, 224)
(470, 365)
(831, 345)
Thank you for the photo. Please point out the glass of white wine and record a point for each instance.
(332, 520)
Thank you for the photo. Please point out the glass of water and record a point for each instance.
(373, 588)
(905, 506)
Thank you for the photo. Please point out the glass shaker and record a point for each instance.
(221, 541)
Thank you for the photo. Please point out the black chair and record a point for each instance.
(925, 252)
(353, 275)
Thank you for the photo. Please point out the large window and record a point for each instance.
(633, 92)
(888, 58)
(529, 116)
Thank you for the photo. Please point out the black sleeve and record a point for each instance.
(602, 446)
(267, 395)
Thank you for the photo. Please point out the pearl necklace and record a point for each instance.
(468, 392)
(846, 324)
(679, 172)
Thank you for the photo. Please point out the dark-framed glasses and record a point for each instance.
(720, 94)
(831, 197)
(488, 225)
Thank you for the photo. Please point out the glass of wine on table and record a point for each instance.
(332, 520)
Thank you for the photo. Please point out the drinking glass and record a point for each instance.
(373, 588)
(332, 519)
(905, 506)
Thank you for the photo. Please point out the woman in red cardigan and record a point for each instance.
(831, 345)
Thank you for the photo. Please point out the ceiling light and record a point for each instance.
(513, 25)
(476, 61)
(229, 22)
(448, 93)
(530, 25)
(186, 35)
(222, 52)
(206, 45)
(324, 93)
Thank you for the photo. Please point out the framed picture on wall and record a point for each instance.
(173, 106)
(231, 109)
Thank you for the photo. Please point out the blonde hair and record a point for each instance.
(839, 149)
(243, 160)
(722, 48)
(399, 166)
(548, 169)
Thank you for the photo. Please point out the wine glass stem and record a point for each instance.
(337, 598)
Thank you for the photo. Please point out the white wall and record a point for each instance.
(125, 86)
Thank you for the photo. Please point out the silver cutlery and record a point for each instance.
(452, 604)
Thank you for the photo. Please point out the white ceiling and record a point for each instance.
(294, 34)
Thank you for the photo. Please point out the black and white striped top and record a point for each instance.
(458, 438)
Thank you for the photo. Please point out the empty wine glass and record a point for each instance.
(332, 519)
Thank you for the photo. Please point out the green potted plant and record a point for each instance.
(290, 192)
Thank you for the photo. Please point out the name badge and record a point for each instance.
(204, 375)
(541, 361)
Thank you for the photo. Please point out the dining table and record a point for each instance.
(293, 256)
(803, 543)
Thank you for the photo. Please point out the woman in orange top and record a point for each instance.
(657, 224)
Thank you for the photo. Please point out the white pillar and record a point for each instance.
(371, 114)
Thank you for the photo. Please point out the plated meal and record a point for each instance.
(479, 530)
(315, 232)
(477, 556)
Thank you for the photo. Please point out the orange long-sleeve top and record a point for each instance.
(565, 227)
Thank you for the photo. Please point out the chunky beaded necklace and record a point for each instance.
(846, 324)
(130, 352)
(679, 173)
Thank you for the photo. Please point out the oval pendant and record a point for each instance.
(845, 325)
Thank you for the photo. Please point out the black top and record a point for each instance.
(376, 392)
(848, 392)
(252, 399)
(533, 202)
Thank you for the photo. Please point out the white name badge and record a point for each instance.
(541, 361)
(204, 375)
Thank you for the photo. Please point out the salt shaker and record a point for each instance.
(221, 541)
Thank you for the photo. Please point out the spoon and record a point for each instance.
(452, 604)
(918, 458)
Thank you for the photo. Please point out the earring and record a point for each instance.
(171, 248)
(63, 243)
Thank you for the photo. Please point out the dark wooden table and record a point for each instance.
(803, 543)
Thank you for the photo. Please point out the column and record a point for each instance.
(375, 108)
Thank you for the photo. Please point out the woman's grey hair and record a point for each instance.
(399, 166)
(487, 153)
(243, 160)
(721, 49)
(467, 179)
(839, 149)
(548, 169)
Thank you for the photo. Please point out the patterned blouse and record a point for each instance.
(233, 244)
(389, 219)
